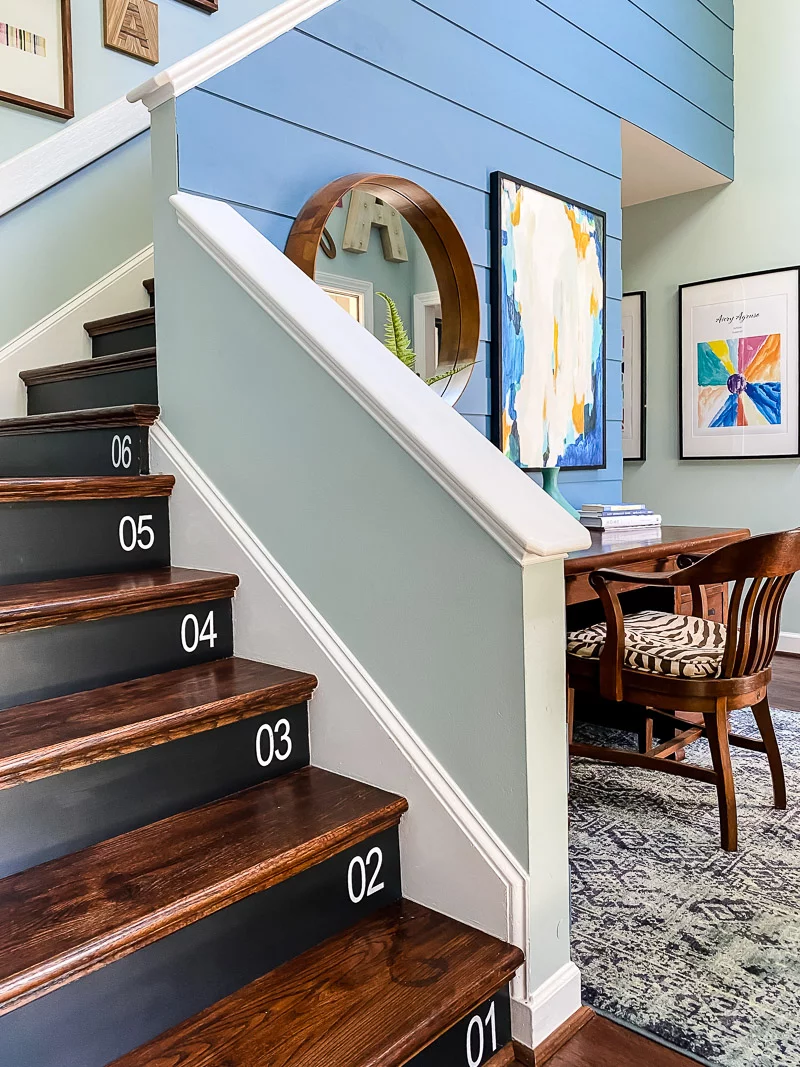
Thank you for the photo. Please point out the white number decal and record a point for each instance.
(357, 885)
(121, 451)
(475, 1037)
(192, 635)
(282, 732)
(140, 534)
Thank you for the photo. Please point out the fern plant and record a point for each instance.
(398, 342)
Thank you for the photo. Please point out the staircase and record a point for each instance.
(178, 886)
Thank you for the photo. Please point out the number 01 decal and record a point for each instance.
(360, 883)
(477, 1034)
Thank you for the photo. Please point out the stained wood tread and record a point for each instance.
(67, 732)
(70, 916)
(87, 419)
(139, 359)
(96, 596)
(86, 488)
(127, 321)
(150, 285)
(372, 996)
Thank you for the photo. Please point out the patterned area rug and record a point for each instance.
(695, 945)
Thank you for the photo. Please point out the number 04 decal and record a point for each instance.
(359, 882)
(192, 634)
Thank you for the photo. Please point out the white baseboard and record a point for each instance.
(61, 338)
(547, 1007)
(452, 860)
(789, 642)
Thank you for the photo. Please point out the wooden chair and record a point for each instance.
(670, 663)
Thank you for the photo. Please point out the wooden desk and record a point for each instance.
(646, 554)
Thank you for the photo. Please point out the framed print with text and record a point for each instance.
(36, 56)
(740, 379)
(634, 375)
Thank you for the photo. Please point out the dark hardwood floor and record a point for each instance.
(784, 689)
(601, 1043)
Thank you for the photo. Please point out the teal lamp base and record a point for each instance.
(550, 486)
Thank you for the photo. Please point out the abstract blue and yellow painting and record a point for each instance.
(549, 396)
(739, 382)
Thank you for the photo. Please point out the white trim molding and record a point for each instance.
(456, 862)
(789, 642)
(85, 140)
(221, 54)
(364, 289)
(505, 502)
(75, 146)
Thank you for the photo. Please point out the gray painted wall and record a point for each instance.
(747, 226)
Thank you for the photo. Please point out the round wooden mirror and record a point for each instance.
(365, 235)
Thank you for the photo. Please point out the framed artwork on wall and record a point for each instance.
(634, 375)
(36, 56)
(740, 374)
(548, 328)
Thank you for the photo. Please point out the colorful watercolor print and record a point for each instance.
(551, 319)
(739, 382)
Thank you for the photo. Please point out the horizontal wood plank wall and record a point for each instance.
(445, 92)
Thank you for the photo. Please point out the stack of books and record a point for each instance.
(613, 517)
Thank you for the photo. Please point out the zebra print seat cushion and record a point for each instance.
(655, 641)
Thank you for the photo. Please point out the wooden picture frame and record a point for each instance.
(739, 339)
(574, 238)
(22, 38)
(634, 375)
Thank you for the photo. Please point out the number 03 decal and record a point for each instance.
(360, 883)
(266, 747)
(477, 1034)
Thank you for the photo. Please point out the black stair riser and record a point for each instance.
(138, 386)
(54, 660)
(474, 1039)
(43, 540)
(75, 453)
(110, 344)
(114, 1010)
(74, 809)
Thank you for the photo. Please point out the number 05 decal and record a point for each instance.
(359, 882)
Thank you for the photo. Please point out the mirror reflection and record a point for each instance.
(373, 264)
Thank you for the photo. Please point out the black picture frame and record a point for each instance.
(681, 423)
(496, 283)
(642, 454)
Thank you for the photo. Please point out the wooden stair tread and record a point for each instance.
(67, 732)
(129, 320)
(372, 996)
(88, 419)
(150, 285)
(102, 595)
(70, 916)
(139, 359)
(120, 487)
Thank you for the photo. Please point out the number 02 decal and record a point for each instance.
(192, 634)
(476, 1037)
(266, 748)
(360, 883)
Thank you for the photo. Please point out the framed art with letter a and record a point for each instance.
(36, 56)
(740, 366)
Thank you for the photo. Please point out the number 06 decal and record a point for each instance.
(358, 885)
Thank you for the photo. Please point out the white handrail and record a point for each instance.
(498, 495)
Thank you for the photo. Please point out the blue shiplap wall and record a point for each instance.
(447, 91)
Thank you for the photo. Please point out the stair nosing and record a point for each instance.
(128, 320)
(86, 419)
(89, 487)
(137, 359)
(60, 608)
(69, 965)
(33, 764)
